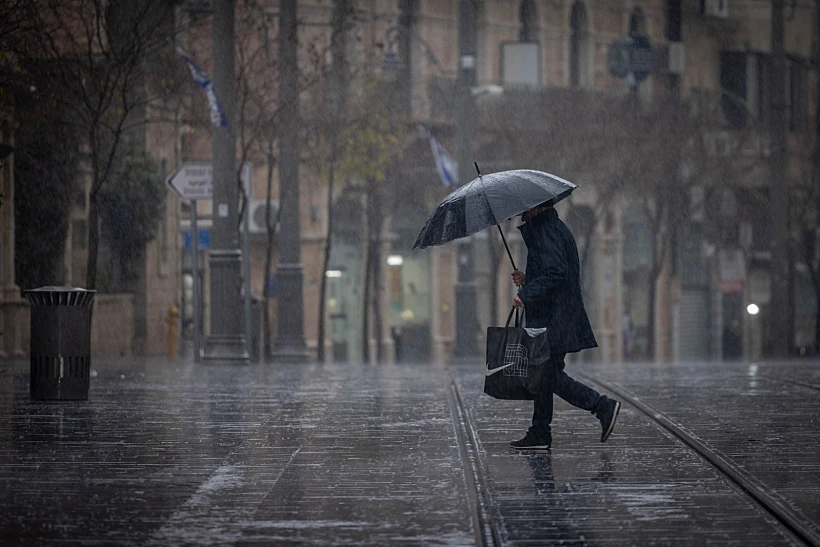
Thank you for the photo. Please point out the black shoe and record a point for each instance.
(608, 415)
(529, 442)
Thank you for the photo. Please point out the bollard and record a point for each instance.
(173, 334)
(60, 342)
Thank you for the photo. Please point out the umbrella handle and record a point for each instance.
(500, 231)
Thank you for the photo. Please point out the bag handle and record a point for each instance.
(517, 318)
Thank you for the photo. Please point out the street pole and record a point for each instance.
(246, 275)
(226, 341)
(778, 189)
(290, 339)
(465, 290)
(195, 270)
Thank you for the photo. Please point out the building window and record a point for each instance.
(578, 46)
(528, 18)
(733, 88)
(745, 81)
(761, 103)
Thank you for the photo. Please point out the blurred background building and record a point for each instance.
(661, 112)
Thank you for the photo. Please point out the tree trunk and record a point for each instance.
(93, 216)
(320, 339)
(271, 230)
(815, 270)
(375, 219)
(659, 246)
(93, 241)
(375, 262)
(366, 304)
(817, 317)
(339, 83)
(651, 335)
(99, 173)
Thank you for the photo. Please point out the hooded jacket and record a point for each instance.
(552, 284)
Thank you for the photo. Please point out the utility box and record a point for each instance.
(60, 342)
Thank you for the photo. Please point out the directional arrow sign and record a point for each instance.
(196, 180)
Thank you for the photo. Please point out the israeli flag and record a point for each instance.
(218, 118)
(446, 166)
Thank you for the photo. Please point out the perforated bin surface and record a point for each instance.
(60, 342)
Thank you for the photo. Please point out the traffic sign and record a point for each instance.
(618, 60)
(196, 180)
(203, 241)
(631, 58)
(643, 60)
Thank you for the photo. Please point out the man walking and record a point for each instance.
(550, 294)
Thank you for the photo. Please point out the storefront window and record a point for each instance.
(637, 262)
(409, 288)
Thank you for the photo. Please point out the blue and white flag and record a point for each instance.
(446, 166)
(218, 118)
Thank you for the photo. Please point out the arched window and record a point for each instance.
(528, 19)
(578, 46)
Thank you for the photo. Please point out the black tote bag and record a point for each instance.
(516, 361)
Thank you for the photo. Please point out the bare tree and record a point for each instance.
(97, 60)
(622, 151)
(337, 107)
(259, 106)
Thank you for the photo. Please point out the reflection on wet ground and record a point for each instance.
(170, 453)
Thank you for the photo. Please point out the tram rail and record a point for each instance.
(798, 525)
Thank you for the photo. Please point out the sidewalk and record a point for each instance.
(170, 453)
(645, 486)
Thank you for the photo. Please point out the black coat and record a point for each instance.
(552, 284)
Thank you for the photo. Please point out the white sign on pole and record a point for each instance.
(196, 180)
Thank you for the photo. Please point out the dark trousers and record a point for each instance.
(566, 387)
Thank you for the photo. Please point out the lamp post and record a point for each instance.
(465, 290)
(226, 341)
(781, 309)
(290, 337)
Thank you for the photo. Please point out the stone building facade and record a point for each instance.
(546, 54)
(539, 49)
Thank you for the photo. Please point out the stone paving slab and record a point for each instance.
(172, 453)
(643, 487)
(754, 414)
(181, 454)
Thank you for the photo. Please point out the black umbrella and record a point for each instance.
(491, 199)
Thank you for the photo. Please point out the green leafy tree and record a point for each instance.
(363, 143)
(131, 208)
(101, 64)
(46, 184)
(370, 144)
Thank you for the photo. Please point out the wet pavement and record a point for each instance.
(172, 453)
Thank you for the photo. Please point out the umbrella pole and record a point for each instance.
(504, 239)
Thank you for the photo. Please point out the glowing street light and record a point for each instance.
(752, 309)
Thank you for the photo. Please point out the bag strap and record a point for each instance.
(517, 318)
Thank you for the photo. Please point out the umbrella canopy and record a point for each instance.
(490, 199)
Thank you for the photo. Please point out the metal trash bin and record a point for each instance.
(60, 342)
